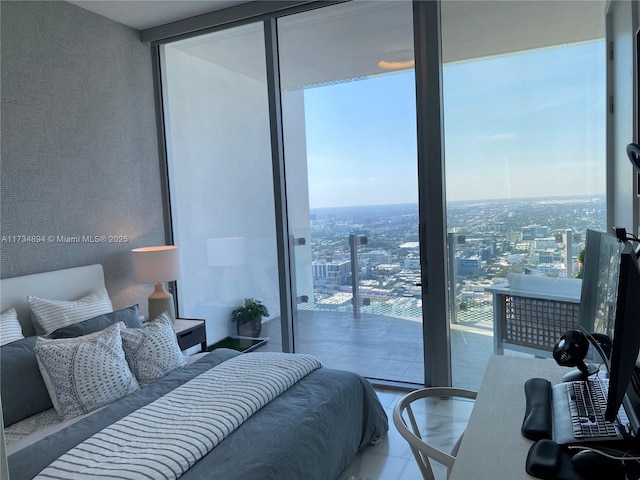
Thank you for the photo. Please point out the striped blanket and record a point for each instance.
(165, 438)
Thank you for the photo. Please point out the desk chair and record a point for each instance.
(420, 449)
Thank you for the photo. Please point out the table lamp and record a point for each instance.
(158, 265)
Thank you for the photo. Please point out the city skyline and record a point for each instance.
(496, 239)
(549, 199)
(532, 123)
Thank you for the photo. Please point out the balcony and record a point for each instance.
(380, 346)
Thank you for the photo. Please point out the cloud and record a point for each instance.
(497, 136)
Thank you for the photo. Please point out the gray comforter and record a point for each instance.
(311, 431)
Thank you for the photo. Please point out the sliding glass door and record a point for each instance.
(349, 122)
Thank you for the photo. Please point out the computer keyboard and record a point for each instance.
(587, 404)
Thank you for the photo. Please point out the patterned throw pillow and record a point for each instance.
(49, 315)
(10, 329)
(85, 373)
(152, 351)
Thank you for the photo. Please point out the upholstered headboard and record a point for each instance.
(66, 284)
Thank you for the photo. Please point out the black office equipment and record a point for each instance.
(587, 404)
(594, 466)
(546, 460)
(537, 417)
(604, 409)
(570, 351)
(633, 151)
(625, 364)
(599, 282)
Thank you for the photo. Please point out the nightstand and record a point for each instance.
(190, 332)
(242, 344)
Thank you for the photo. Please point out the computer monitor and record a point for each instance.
(624, 366)
(610, 316)
(599, 283)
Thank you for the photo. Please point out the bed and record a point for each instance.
(310, 428)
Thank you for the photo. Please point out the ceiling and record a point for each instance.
(348, 40)
(142, 14)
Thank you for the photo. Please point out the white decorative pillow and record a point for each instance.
(10, 329)
(49, 315)
(85, 373)
(152, 351)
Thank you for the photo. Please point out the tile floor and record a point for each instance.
(444, 421)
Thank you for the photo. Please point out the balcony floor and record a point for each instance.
(383, 347)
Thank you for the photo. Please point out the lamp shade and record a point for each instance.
(156, 264)
(226, 251)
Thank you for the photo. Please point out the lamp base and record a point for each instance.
(161, 301)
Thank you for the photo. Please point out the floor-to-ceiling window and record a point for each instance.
(525, 155)
(523, 118)
(221, 187)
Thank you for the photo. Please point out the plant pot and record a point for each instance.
(249, 328)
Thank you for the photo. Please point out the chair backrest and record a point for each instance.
(406, 424)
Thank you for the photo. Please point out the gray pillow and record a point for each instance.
(22, 388)
(129, 316)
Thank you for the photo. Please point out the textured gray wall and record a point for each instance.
(79, 152)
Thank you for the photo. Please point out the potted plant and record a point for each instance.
(248, 317)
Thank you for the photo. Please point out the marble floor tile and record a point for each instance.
(452, 407)
(371, 466)
(388, 398)
(412, 472)
(442, 421)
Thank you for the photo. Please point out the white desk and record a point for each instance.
(493, 447)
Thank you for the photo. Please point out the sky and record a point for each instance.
(525, 125)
